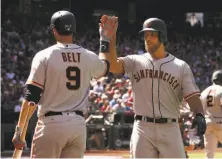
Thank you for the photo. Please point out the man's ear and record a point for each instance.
(54, 32)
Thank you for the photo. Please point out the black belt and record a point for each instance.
(153, 120)
(60, 113)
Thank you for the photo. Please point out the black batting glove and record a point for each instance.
(199, 122)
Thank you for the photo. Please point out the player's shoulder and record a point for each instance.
(182, 64)
(206, 90)
(218, 88)
(80, 49)
(211, 87)
(45, 52)
(214, 87)
(89, 54)
(179, 61)
(134, 57)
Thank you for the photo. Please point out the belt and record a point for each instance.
(154, 120)
(61, 113)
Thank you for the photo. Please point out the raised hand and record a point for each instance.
(107, 27)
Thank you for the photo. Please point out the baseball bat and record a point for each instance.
(18, 152)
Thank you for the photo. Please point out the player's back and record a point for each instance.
(67, 78)
(212, 102)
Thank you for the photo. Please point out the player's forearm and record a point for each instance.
(116, 66)
(113, 54)
(195, 104)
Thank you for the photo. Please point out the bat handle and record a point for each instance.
(17, 153)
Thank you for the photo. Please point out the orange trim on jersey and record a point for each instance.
(191, 95)
(104, 72)
(35, 83)
(213, 91)
(123, 63)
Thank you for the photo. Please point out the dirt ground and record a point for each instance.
(110, 153)
(125, 152)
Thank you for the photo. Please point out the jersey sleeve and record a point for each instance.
(98, 67)
(37, 73)
(189, 86)
(128, 63)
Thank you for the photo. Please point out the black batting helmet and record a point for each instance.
(217, 77)
(64, 22)
(155, 24)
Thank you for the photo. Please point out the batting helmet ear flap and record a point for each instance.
(163, 39)
(52, 26)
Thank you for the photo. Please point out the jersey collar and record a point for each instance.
(168, 58)
(67, 45)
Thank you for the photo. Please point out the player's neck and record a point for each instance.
(160, 53)
(65, 39)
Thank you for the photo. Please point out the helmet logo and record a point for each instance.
(68, 27)
(148, 25)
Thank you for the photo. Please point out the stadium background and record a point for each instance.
(193, 34)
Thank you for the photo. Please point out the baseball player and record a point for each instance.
(59, 83)
(211, 99)
(159, 81)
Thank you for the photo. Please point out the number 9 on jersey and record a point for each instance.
(73, 75)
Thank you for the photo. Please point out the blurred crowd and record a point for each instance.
(23, 36)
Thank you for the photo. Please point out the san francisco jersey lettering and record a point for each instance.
(161, 84)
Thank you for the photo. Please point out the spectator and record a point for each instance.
(106, 107)
(114, 100)
(104, 98)
(118, 108)
(98, 88)
(128, 94)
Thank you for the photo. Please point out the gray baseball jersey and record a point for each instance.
(159, 85)
(211, 99)
(64, 72)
